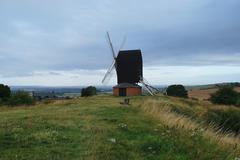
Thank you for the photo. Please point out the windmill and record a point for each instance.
(128, 65)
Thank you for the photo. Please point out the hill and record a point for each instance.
(101, 128)
(203, 92)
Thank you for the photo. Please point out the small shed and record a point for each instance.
(127, 89)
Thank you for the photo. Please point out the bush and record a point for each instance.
(5, 92)
(20, 98)
(177, 91)
(238, 102)
(89, 91)
(227, 120)
(225, 95)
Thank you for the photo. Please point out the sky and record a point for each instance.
(63, 42)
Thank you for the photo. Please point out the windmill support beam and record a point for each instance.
(147, 88)
(151, 90)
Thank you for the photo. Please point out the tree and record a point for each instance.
(5, 92)
(177, 91)
(89, 91)
(20, 98)
(225, 95)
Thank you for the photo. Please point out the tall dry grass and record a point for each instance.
(162, 111)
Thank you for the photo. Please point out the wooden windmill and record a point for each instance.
(129, 68)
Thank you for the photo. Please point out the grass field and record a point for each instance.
(204, 93)
(100, 128)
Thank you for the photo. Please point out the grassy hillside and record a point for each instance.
(100, 128)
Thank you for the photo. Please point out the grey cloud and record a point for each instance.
(69, 35)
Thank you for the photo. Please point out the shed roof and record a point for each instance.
(127, 85)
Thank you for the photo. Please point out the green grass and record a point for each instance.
(226, 118)
(98, 128)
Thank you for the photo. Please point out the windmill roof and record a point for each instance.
(130, 51)
(127, 85)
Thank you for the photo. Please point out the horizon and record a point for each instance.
(110, 86)
(63, 43)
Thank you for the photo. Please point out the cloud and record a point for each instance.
(194, 75)
(60, 35)
(57, 78)
(164, 75)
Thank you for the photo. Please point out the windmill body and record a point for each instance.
(129, 66)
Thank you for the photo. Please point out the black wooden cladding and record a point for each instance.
(129, 66)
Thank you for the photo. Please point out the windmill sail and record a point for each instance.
(111, 45)
(109, 72)
(113, 66)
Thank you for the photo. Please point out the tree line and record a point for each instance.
(7, 97)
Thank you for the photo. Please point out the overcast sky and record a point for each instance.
(62, 42)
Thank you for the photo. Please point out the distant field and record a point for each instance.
(204, 94)
(100, 128)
